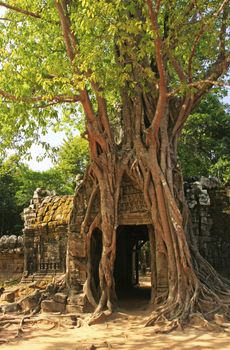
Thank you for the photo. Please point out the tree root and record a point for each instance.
(15, 326)
(170, 317)
(7, 321)
(165, 327)
(99, 317)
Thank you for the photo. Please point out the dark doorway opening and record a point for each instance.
(95, 257)
(132, 265)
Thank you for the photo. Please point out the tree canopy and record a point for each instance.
(10, 221)
(72, 159)
(205, 141)
(52, 51)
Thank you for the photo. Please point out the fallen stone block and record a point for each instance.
(75, 308)
(8, 308)
(52, 306)
(30, 302)
(60, 298)
(9, 297)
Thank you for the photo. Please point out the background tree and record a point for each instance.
(138, 69)
(18, 182)
(17, 185)
(72, 159)
(205, 140)
(28, 180)
(10, 219)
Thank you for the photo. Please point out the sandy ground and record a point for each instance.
(123, 330)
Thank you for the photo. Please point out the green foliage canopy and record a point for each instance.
(205, 141)
(72, 159)
(43, 71)
(10, 220)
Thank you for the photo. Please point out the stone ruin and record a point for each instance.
(133, 220)
(209, 205)
(11, 257)
(210, 209)
(45, 234)
(51, 220)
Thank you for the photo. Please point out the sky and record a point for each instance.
(2, 11)
(55, 140)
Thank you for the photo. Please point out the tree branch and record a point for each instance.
(184, 112)
(194, 46)
(20, 10)
(65, 24)
(204, 26)
(177, 66)
(102, 110)
(162, 100)
(54, 99)
(223, 32)
(215, 71)
(203, 85)
(199, 85)
(95, 125)
(71, 45)
(6, 19)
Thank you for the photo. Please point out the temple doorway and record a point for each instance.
(132, 265)
(95, 257)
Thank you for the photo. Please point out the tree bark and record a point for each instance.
(151, 120)
(151, 163)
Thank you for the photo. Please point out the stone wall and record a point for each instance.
(209, 205)
(11, 257)
(45, 233)
(47, 219)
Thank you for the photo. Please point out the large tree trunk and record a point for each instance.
(151, 163)
(152, 115)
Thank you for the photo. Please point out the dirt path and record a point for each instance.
(123, 331)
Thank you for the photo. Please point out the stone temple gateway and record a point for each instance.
(133, 214)
(55, 243)
(134, 225)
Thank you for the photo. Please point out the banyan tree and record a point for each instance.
(134, 70)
